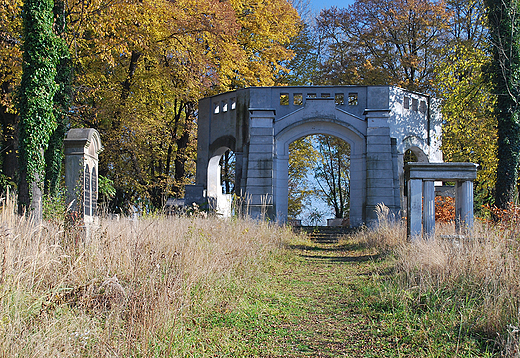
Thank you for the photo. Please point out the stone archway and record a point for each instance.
(305, 128)
(259, 123)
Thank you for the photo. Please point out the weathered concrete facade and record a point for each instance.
(379, 122)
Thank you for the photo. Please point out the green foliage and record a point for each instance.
(106, 187)
(6, 183)
(302, 158)
(333, 174)
(469, 130)
(303, 67)
(37, 90)
(62, 102)
(54, 207)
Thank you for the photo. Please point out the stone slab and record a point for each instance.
(261, 148)
(373, 185)
(262, 131)
(380, 165)
(441, 171)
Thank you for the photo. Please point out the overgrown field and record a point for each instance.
(206, 287)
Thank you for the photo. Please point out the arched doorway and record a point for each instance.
(319, 180)
(221, 181)
(318, 126)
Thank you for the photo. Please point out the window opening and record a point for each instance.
(422, 106)
(224, 106)
(415, 104)
(325, 95)
(216, 110)
(352, 99)
(406, 103)
(311, 95)
(233, 103)
(284, 99)
(297, 99)
(86, 189)
(339, 98)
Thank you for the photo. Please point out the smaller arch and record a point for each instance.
(415, 145)
(421, 156)
(217, 199)
(214, 188)
(227, 141)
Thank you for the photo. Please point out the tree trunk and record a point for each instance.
(505, 32)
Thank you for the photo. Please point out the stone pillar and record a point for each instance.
(396, 174)
(82, 147)
(380, 170)
(463, 206)
(259, 187)
(281, 165)
(414, 221)
(429, 208)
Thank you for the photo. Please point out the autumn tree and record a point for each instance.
(504, 26)
(469, 130)
(143, 65)
(383, 42)
(10, 73)
(333, 173)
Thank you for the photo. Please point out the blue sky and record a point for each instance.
(323, 4)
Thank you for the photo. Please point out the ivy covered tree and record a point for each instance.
(62, 100)
(36, 102)
(504, 27)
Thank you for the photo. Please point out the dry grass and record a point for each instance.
(131, 286)
(135, 288)
(476, 279)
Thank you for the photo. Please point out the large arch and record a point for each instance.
(312, 126)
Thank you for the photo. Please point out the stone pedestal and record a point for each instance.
(82, 147)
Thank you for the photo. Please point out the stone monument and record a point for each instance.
(82, 147)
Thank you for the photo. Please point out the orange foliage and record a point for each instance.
(444, 209)
(503, 217)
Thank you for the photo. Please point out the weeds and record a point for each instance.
(132, 288)
(193, 286)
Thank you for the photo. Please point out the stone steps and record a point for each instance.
(324, 234)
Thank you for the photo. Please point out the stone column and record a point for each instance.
(429, 209)
(82, 147)
(259, 187)
(414, 222)
(281, 164)
(380, 176)
(463, 206)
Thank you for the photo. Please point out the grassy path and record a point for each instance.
(334, 301)
(329, 320)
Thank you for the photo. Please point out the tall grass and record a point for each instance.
(475, 281)
(131, 290)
